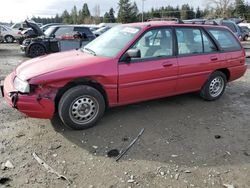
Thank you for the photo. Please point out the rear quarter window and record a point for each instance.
(225, 39)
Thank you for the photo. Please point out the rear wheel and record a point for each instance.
(36, 50)
(81, 107)
(9, 39)
(214, 87)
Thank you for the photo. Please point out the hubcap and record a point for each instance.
(84, 109)
(9, 39)
(216, 86)
(37, 50)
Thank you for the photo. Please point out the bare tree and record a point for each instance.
(221, 7)
(96, 13)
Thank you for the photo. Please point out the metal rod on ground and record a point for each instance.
(49, 168)
(129, 146)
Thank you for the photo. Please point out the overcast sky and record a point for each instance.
(18, 10)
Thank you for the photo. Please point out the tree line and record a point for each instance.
(128, 12)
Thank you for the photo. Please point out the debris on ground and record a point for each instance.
(7, 165)
(95, 147)
(54, 146)
(187, 171)
(113, 153)
(130, 145)
(131, 179)
(217, 136)
(174, 156)
(20, 134)
(177, 176)
(124, 139)
(229, 186)
(246, 153)
(4, 180)
(49, 169)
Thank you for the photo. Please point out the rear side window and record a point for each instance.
(189, 41)
(225, 39)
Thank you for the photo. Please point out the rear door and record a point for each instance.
(197, 56)
(65, 36)
(231, 50)
(154, 74)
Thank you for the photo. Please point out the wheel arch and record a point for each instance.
(80, 81)
(37, 43)
(226, 72)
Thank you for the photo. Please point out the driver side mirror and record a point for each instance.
(131, 53)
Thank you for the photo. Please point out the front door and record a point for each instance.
(154, 74)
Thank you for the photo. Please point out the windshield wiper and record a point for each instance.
(91, 51)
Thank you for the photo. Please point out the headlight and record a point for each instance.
(21, 85)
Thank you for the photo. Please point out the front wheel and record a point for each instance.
(9, 39)
(36, 50)
(81, 107)
(214, 87)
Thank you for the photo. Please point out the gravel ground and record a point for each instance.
(187, 142)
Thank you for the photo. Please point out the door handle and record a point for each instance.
(213, 58)
(167, 64)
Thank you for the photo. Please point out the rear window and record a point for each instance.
(225, 39)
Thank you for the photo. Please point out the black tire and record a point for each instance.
(81, 107)
(216, 82)
(36, 50)
(9, 39)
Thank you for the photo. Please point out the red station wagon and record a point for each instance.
(127, 64)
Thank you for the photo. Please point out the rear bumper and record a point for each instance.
(237, 72)
(30, 104)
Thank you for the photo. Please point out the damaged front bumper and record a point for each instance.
(30, 104)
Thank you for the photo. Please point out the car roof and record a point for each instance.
(55, 26)
(171, 23)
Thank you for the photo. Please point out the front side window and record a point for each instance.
(112, 42)
(225, 39)
(189, 41)
(155, 43)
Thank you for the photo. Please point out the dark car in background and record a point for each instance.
(29, 33)
(233, 27)
(55, 39)
(245, 32)
(100, 31)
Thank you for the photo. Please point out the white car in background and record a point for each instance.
(9, 34)
(1, 36)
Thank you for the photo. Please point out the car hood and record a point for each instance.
(35, 28)
(55, 62)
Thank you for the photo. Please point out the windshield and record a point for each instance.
(112, 42)
(48, 31)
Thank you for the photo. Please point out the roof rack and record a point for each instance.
(202, 22)
(193, 21)
(177, 20)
